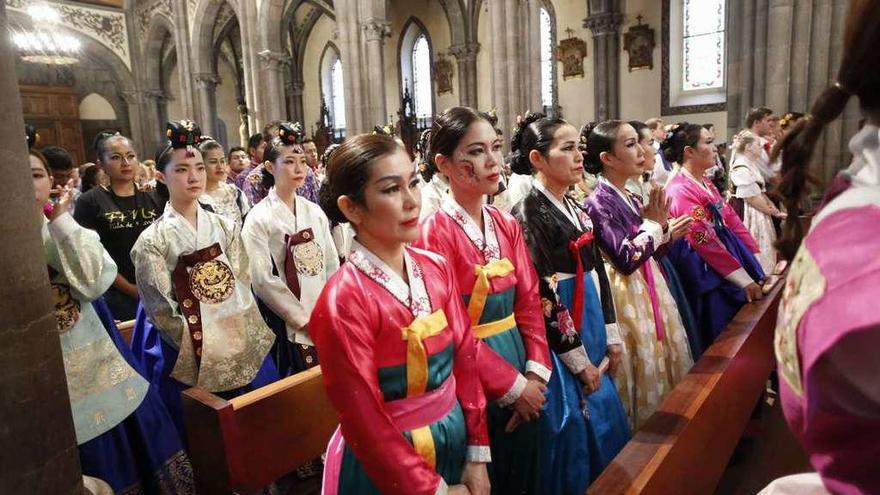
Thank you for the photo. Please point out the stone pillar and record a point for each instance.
(40, 454)
(605, 26)
(375, 30)
(295, 90)
(273, 100)
(184, 58)
(156, 116)
(783, 54)
(500, 88)
(466, 56)
(138, 120)
(247, 23)
(206, 84)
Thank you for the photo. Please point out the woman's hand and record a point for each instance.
(656, 209)
(530, 402)
(65, 198)
(679, 227)
(615, 355)
(590, 378)
(754, 292)
(476, 478)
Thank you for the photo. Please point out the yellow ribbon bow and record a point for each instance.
(417, 374)
(479, 294)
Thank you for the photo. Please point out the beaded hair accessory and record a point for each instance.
(386, 130)
(31, 135)
(291, 133)
(183, 134)
(328, 154)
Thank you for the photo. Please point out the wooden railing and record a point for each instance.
(246, 443)
(685, 446)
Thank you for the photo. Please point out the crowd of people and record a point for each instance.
(483, 322)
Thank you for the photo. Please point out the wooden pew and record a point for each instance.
(126, 328)
(250, 441)
(685, 446)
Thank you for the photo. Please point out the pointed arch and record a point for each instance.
(414, 37)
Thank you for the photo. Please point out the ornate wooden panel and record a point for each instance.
(54, 111)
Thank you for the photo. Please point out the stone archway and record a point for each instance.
(126, 99)
(297, 36)
(205, 27)
(464, 47)
(159, 40)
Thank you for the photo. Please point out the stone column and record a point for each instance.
(248, 25)
(40, 454)
(273, 100)
(783, 54)
(184, 58)
(206, 84)
(605, 26)
(138, 120)
(157, 116)
(375, 30)
(500, 88)
(466, 56)
(295, 90)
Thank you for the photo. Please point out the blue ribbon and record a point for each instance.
(717, 221)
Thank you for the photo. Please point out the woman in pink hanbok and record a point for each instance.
(829, 327)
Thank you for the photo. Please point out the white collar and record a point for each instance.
(486, 242)
(865, 148)
(565, 209)
(413, 295)
(625, 197)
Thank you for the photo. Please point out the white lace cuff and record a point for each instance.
(740, 277)
(515, 391)
(575, 360)
(62, 227)
(654, 231)
(612, 330)
(539, 369)
(478, 453)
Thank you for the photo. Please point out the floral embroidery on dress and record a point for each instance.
(486, 243)
(804, 286)
(414, 296)
(701, 238)
(698, 213)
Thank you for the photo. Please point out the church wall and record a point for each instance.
(321, 34)
(433, 17)
(640, 89)
(484, 64)
(175, 106)
(227, 107)
(576, 93)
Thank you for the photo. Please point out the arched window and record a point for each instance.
(421, 64)
(694, 54)
(337, 96)
(703, 44)
(332, 89)
(416, 71)
(547, 64)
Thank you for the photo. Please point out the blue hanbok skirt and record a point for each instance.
(581, 435)
(157, 359)
(713, 299)
(143, 453)
(695, 338)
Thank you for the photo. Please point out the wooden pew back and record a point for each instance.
(685, 446)
(250, 441)
(126, 329)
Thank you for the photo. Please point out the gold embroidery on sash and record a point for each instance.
(67, 309)
(309, 258)
(804, 286)
(212, 282)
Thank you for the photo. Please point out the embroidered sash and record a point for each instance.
(200, 277)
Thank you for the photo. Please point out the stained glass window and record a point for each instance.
(546, 60)
(421, 67)
(337, 95)
(703, 44)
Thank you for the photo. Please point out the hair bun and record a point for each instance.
(31, 135)
(291, 133)
(328, 154)
(183, 134)
(521, 123)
